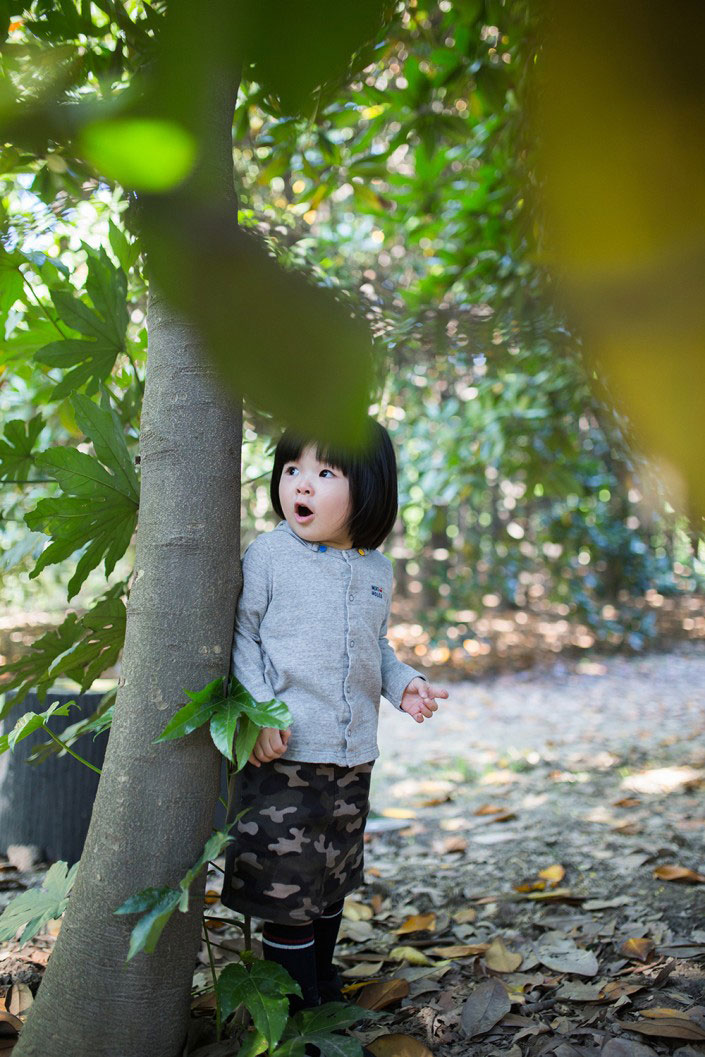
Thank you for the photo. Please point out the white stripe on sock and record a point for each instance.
(288, 946)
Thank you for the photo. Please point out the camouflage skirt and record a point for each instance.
(299, 847)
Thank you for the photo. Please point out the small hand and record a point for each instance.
(419, 697)
(271, 743)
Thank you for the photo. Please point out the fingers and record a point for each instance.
(270, 745)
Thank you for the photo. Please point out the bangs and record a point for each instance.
(290, 448)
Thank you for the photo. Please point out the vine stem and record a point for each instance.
(139, 381)
(39, 304)
(70, 751)
(218, 1027)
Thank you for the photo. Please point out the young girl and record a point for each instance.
(310, 629)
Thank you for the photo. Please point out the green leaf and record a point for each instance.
(247, 735)
(318, 1027)
(98, 510)
(126, 252)
(158, 904)
(38, 906)
(16, 455)
(11, 288)
(198, 711)
(104, 324)
(32, 543)
(240, 709)
(147, 154)
(213, 847)
(79, 649)
(262, 988)
(32, 721)
(254, 1045)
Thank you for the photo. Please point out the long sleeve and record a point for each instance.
(247, 662)
(396, 675)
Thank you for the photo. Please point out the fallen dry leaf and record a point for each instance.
(554, 873)
(362, 969)
(678, 873)
(398, 1046)
(616, 988)
(485, 1007)
(638, 948)
(10, 1019)
(556, 895)
(627, 801)
(379, 996)
(460, 950)
(211, 897)
(673, 1026)
(410, 955)
(398, 812)
(490, 809)
(354, 911)
(418, 923)
(465, 917)
(501, 960)
(452, 844)
(18, 999)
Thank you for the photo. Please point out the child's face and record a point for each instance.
(315, 499)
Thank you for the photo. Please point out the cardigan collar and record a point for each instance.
(348, 553)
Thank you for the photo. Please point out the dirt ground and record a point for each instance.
(590, 771)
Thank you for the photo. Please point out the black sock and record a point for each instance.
(293, 946)
(325, 930)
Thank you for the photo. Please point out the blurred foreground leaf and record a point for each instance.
(622, 145)
(286, 344)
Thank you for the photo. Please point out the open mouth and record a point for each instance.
(302, 513)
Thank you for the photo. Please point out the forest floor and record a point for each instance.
(535, 871)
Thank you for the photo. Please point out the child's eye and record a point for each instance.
(327, 471)
(290, 470)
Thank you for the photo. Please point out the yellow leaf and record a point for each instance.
(418, 923)
(499, 959)
(354, 911)
(554, 873)
(398, 812)
(410, 955)
(637, 947)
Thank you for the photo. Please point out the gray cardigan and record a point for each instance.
(310, 629)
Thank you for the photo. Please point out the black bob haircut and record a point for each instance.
(371, 472)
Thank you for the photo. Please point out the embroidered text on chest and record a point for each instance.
(377, 592)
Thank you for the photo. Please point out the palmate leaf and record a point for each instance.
(224, 710)
(262, 988)
(103, 326)
(16, 455)
(39, 905)
(98, 510)
(31, 721)
(81, 648)
(319, 1027)
(158, 904)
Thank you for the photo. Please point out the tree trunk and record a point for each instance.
(155, 803)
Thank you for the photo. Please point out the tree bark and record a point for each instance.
(155, 803)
